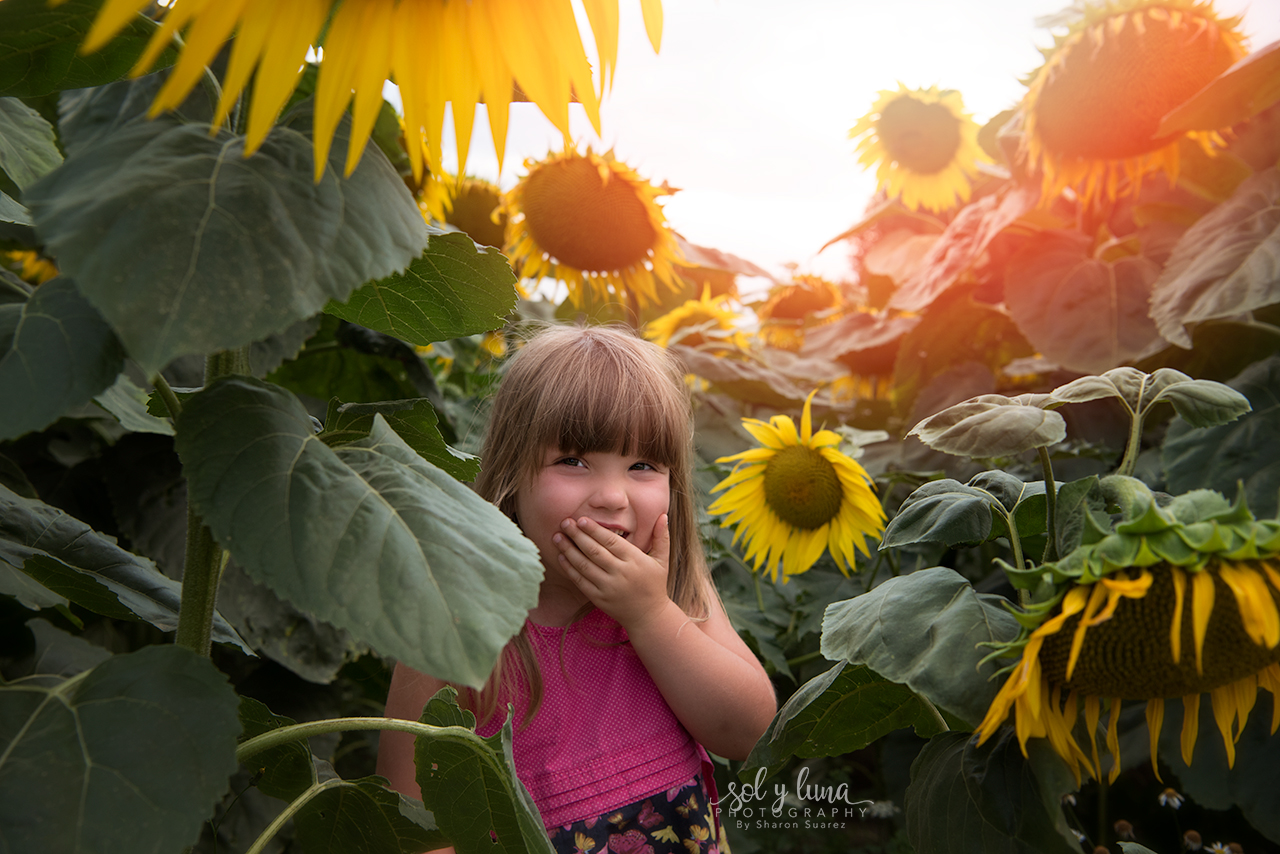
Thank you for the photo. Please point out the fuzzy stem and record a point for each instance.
(1051, 507)
(202, 569)
(166, 393)
(260, 844)
(1130, 460)
(297, 732)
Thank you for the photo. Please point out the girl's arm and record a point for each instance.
(410, 691)
(707, 675)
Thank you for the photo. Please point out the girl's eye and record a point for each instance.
(569, 461)
(644, 467)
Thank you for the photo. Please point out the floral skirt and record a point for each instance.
(677, 821)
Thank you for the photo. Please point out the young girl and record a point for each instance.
(628, 665)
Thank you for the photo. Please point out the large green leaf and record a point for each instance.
(1249, 784)
(843, 710)
(1082, 312)
(368, 536)
(365, 817)
(992, 425)
(955, 514)
(470, 785)
(965, 799)
(455, 288)
(130, 756)
(1244, 451)
(923, 631)
(39, 47)
(285, 771)
(186, 246)
(27, 147)
(128, 404)
(69, 558)
(329, 366)
(1226, 264)
(413, 420)
(56, 353)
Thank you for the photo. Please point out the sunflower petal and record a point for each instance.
(1201, 607)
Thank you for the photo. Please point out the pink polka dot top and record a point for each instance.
(604, 737)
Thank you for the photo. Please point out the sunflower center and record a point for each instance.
(802, 487)
(1129, 656)
(1105, 95)
(583, 221)
(473, 213)
(920, 137)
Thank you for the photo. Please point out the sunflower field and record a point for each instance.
(998, 512)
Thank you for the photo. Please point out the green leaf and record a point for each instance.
(1243, 90)
(1248, 784)
(72, 560)
(923, 630)
(60, 653)
(840, 711)
(455, 288)
(988, 800)
(128, 404)
(39, 47)
(413, 420)
(368, 536)
(1205, 403)
(187, 247)
(364, 817)
(27, 147)
(285, 771)
(132, 753)
(56, 353)
(992, 425)
(1220, 457)
(1083, 313)
(13, 211)
(1226, 264)
(470, 785)
(941, 511)
(1076, 501)
(328, 368)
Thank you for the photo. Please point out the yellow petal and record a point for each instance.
(1190, 725)
(1175, 628)
(1201, 606)
(1113, 739)
(112, 18)
(1093, 711)
(603, 17)
(653, 21)
(1155, 719)
(806, 419)
(1224, 713)
(293, 28)
(1096, 597)
(1269, 678)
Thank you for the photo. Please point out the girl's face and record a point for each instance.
(626, 494)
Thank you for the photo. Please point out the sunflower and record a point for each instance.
(797, 496)
(472, 205)
(436, 52)
(923, 144)
(1091, 112)
(1175, 603)
(31, 266)
(789, 309)
(706, 322)
(591, 222)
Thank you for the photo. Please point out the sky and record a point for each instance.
(748, 105)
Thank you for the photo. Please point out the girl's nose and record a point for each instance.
(610, 493)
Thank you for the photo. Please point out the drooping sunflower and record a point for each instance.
(1091, 112)
(1175, 602)
(923, 145)
(790, 309)
(472, 205)
(706, 322)
(590, 221)
(796, 496)
(435, 51)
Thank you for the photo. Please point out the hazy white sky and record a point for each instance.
(747, 107)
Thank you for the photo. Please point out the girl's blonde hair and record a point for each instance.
(585, 390)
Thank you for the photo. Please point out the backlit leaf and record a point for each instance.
(1243, 90)
(130, 756)
(1225, 264)
(1081, 312)
(368, 536)
(454, 288)
(993, 425)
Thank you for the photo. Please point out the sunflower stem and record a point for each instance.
(1051, 507)
(170, 399)
(1130, 461)
(804, 659)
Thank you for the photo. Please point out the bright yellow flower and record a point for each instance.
(1151, 634)
(789, 309)
(706, 322)
(1092, 110)
(923, 144)
(591, 222)
(436, 51)
(31, 266)
(797, 496)
(471, 205)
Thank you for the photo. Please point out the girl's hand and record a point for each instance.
(619, 579)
